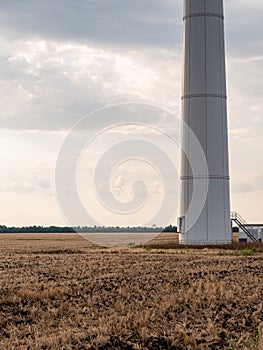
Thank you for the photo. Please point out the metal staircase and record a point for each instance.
(241, 223)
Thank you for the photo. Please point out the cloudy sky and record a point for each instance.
(61, 60)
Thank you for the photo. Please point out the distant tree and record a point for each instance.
(170, 228)
(84, 229)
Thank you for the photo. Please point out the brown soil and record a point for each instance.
(60, 292)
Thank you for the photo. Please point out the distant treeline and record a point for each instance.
(84, 229)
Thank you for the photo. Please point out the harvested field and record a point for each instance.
(61, 292)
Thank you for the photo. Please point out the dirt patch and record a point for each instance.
(72, 298)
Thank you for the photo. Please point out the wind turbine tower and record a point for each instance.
(204, 111)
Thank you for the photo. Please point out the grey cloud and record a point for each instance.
(105, 23)
(133, 22)
(118, 21)
(48, 101)
(54, 92)
(258, 183)
(244, 27)
(242, 187)
(251, 185)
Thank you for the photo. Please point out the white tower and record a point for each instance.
(204, 112)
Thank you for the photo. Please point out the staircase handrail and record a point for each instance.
(243, 224)
(235, 215)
